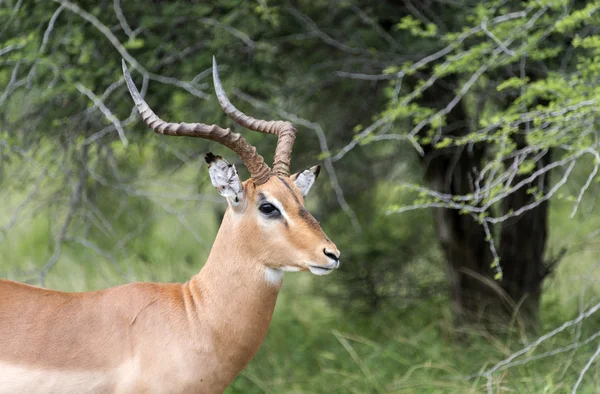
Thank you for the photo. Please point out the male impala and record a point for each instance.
(174, 338)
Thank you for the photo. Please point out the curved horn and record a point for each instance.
(285, 131)
(255, 163)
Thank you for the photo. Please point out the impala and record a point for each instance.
(176, 338)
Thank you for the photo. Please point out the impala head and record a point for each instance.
(268, 208)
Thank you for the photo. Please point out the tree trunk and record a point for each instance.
(522, 245)
(462, 239)
(476, 296)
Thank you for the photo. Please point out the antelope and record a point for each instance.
(194, 337)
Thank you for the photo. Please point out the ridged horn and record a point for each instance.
(285, 131)
(255, 163)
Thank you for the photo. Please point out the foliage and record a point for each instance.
(531, 66)
(392, 265)
(90, 199)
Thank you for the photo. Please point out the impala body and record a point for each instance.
(175, 338)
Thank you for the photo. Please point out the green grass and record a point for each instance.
(313, 346)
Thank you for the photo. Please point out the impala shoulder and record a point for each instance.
(134, 300)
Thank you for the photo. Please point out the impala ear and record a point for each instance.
(225, 178)
(305, 179)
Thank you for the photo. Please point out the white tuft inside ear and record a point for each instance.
(305, 179)
(225, 178)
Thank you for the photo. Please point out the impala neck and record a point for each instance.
(232, 291)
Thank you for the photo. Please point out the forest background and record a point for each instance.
(460, 154)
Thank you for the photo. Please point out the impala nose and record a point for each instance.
(334, 255)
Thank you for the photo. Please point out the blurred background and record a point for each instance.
(459, 148)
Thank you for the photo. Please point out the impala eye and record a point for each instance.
(268, 209)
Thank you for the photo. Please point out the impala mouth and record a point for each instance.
(322, 269)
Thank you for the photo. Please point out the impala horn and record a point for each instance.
(255, 163)
(285, 131)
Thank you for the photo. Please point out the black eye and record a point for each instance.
(269, 209)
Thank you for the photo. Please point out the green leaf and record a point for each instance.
(444, 143)
(134, 43)
(512, 83)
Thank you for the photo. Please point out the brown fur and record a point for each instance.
(173, 338)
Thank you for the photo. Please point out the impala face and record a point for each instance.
(283, 232)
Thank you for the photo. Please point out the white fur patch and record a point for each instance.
(273, 276)
(20, 379)
(225, 178)
(289, 268)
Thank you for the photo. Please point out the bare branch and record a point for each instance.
(230, 29)
(13, 84)
(122, 20)
(123, 52)
(107, 113)
(500, 44)
(10, 48)
(507, 361)
(588, 181)
(50, 28)
(460, 39)
(17, 211)
(361, 136)
(60, 239)
(585, 369)
(92, 246)
(365, 77)
(382, 33)
(324, 36)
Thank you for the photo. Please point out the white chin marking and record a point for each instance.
(273, 276)
(319, 271)
(289, 268)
